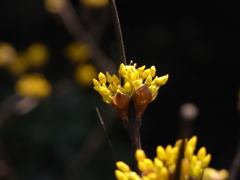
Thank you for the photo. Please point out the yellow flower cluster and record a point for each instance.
(54, 6)
(33, 85)
(77, 52)
(95, 3)
(164, 164)
(213, 174)
(85, 73)
(139, 84)
(7, 54)
(35, 56)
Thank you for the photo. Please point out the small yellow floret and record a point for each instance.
(161, 154)
(201, 153)
(153, 71)
(54, 6)
(7, 53)
(77, 52)
(85, 74)
(33, 85)
(95, 3)
(120, 175)
(210, 173)
(148, 163)
(140, 155)
(102, 78)
(123, 166)
(36, 55)
(206, 160)
(162, 80)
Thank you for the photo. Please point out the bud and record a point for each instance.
(121, 102)
(141, 98)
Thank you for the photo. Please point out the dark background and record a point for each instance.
(196, 43)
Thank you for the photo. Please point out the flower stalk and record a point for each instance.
(118, 31)
(132, 126)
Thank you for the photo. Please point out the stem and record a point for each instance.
(234, 171)
(177, 173)
(235, 168)
(133, 129)
(80, 33)
(132, 125)
(118, 31)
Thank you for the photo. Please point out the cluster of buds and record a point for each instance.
(33, 85)
(138, 85)
(164, 164)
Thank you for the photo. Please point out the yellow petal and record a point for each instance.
(102, 78)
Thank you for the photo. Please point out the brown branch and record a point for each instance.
(76, 29)
(132, 125)
(118, 31)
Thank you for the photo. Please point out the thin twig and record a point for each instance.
(89, 149)
(8, 172)
(234, 171)
(177, 173)
(77, 30)
(235, 167)
(7, 107)
(118, 31)
(107, 135)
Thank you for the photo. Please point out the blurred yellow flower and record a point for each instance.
(36, 55)
(139, 84)
(85, 73)
(77, 52)
(95, 3)
(34, 85)
(213, 174)
(54, 6)
(164, 164)
(7, 53)
(18, 66)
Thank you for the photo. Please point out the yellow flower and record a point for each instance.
(36, 55)
(19, 65)
(84, 74)
(77, 52)
(95, 3)
(7, 54)
(162, 167)
(213, 174)
(54, 6)
(139, 84)
(33, 85)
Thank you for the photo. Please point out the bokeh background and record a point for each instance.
(196, 43)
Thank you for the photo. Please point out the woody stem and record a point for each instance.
(118, 31)
(132, 125)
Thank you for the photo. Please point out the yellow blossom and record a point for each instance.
(36, 55)
(85, 73)
(34, 85)
(139, 84)
(164, 164)
(77, 52)
(19, 65)
(54, 6)
(7, 53)
(213, 174)
(95, 3)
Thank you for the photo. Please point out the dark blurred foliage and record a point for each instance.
(196, 43)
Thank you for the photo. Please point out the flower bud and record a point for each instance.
(121, 102)
(141, 98)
